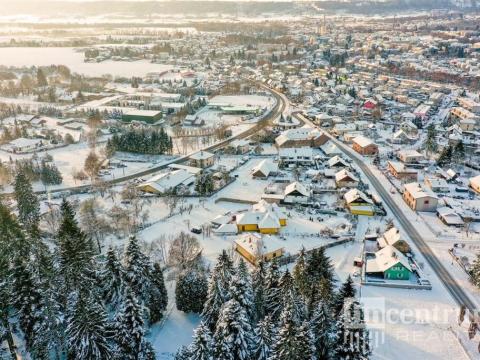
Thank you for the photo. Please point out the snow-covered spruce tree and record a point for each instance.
(129, 331)
(322, 329)
(264, 337)
(293, 341)
(218, 293)
(49, 338)
(259, 291)
(320, 277)
(273, 294)
(87, 329)
(183, 353)
(346, 291)
(75, 250)
(351, 338)
(233, 338)
(27, 204)
(157, 298)
(202, 346)
(112, 276)
(300, 273)
(26, 296)
(241, 290)
(191, 291)
(137, 268)
(290, 294)
(475, 271)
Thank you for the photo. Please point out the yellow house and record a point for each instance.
(263, 207)
(255, 247)
(265, 223)
(358, 203)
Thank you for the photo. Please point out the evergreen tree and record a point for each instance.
(75, 251)
(347, 291)
(129, 331)
(157, 294)
(87, 330)
(26, 297)
(137, 267)
(293, 341)
(27, 204)
(290, 295)
(431, 145)
(475, 271)
(202, 346)
(183, 353)
(264, 337)
(218, 286)
(300, 273)
(273, 295)
(259, 291)
(351, 338)
(113, 279)
(233, 338)
(445, 158)
(241, 290)
(191, 291)
(458, 153)
(322, 331)
(41, 78)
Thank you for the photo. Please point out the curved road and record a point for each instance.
(276, 111)
(455, 290)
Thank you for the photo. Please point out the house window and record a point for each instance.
(426, 202)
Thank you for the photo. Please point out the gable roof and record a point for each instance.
(344, 174)
(296, 187)
(265, 167)
(354, 195)
(386, 258)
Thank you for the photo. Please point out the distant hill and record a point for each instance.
(242, 8)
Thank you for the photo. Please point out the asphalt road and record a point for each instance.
(455, 290)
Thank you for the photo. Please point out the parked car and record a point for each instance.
(196, 230)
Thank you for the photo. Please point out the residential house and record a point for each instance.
(301, 137)
(265, 169)
(390, 264)
(255, 247)
(202, 159)
(436, 184)
(165, 182)
(364, 146)
(358, 203)
(401, 172)
(474, 183)
(296, 156)
(345, 179)
(410, 156)
(418, 198)
(449, 217)
(296, 193)
(392, 237)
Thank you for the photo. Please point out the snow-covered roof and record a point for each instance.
(344, 174)
(296, 186)
(201, 155)
(362, 141)
(336, 160)
(226, 229)
(449, 216)
(475, 181)
(266, 167)
(165, 181)
(256, 244)
(330, 148)
(416, 190)
(354, 194)
(385, 259)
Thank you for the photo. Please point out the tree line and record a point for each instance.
(65, 300)
(268, 314)
(151, 142)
